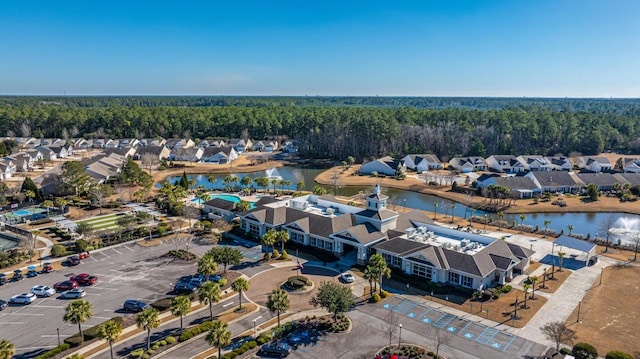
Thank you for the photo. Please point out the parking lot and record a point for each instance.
(124, 272)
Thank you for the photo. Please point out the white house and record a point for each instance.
(535, 163)
(422, 163)
(240, 144)
(505, 163)
(631, 165)
(594, 164)
(220, 155)
(190, 154)
(468, 164)
(385, 166)
(561, 163)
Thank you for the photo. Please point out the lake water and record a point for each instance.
(627, 225)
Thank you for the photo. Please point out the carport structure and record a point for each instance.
(578, 244)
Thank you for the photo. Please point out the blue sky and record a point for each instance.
(543, 48)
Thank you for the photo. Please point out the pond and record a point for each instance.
(626, 225)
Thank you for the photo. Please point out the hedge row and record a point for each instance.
(192, 332)
(53, 352)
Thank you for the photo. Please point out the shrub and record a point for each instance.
(375, 298)
(53, 352)
(162, 304)
(150, 352)
(162, 342)
(222, 282)
(506, 289)
(267, 256)
(616, 354)
(384, 294)
(58, 250)
(170, 340)
(155, 346)
(285, 255)
(137, 353)
(276, 254)
(252, 344)
(146, 356)
(565, 351)
(73, 340)
(584, 351)
(431, 354)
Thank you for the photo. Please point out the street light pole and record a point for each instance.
(400, 336)
(485, 222)
(58, 331)
(579, 305)
(405, 204)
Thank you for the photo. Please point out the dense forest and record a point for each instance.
(337, 127)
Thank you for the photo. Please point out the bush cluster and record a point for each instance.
(263, 338)
(406, 351)
(53, 352)
(245, 347)
(137, 353)
(297, 282)
(74, 340)
(162, 304)
(616, 354)
(192, 332)
(384, 293)
(375, 298)
(584, 351)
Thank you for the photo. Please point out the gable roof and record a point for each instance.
(364, 233)
(599, 179)
(221, 204)
(553, 179)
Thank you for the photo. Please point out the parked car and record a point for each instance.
(66, 285)
(17, 275)
(132, 305)
(73, 294)
(184, 288)
(3, 279)
(47, 268)
(197, 281)
(3, 304)
(347, 277)
(83, 255)
(73, 260)
(32, 273)
(24, 298)
(43, 291)
(84, 279)
(276, 349)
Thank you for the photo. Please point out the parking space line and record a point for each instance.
(117, 251)
(465, 327)
(95, 260)
(513, 337)
(104, 288)
(39, 314)
(48, 306)
(129, 248)
(18, 323)
(104, 254)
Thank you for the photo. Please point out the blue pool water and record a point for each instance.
(227, 197)
(22, 212)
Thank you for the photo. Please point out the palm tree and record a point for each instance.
(180, 306)
(526, 288)
(110, 331)
(453, 209)
(209, 293)
(435, 210)
(240, 285)
(546, 225)
(7, 349)
(148, 319)
(35, 234)
(212, 179)
(274, 182)
(570, 226)
(380, 268)
(269, 239)
(219, 336)
(501, 216)
(207, 265)
(30, 194)
(544, 278)
(278, 301)
(77, 312)
(282, 236)
(300, 185)
(522, 218)
(533, 281)
(246, 181)
(370, 275)
(243, 206)
(560, 258)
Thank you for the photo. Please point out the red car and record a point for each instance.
(84, 279)
(66, 285)
(83, 255)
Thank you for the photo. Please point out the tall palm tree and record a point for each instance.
(35, 234)
(501, 216)
(212, 180)
(147, 320)
(570, 226)
(282, 236)
(269, 239)
(240, 285)
(560, 258)
(278, 301)
(77, 312)
(7, 349)
(533, 280)
(546, 225)
(180, 306)
(380, 268)
(209, 293)
(435, 210)
(370, 275)
(110, 331)
(219, 336)
(526, 288)
(453, 209)
(522, 218)
(300, 185)
(274, 182)
(207, 265)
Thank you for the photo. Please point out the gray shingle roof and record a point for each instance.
(381, 214)
(221, 203)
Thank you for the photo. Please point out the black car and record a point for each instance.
(276, 349)
(32, 273)
(3, 279)
(3, 304)
(73, 260)
(134, 305)
(17, 275)
(184, 288)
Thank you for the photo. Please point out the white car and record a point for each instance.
(24, 298)
(347, 277)
(43, 291)
(73, 294)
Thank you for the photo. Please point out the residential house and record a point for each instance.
(103, 167)
(47, 153)
(604, 181)
(124, 152)
(220, 155)
(7, 169)
(219, 208)
(82, 144)
(468, 164)
(290, 146)
(179, 143)
(632, 178)
(203, 143)
(561, 163)
(594, 164)
(555, 181)
(21, 161)
(217, 143)
(535, 163)
(422, 163)
(240, 144)
(159, 152)
(152, 142)
(520, 186)
(190, 154)
(505, 164)
(264, 146)
(128, 143)
(631, 165)
(60, 151)
(99, 142)
(384, 166)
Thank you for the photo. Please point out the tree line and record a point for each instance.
(340, 131)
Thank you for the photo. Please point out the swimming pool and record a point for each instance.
(226, 197)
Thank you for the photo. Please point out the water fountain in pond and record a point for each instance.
(272, 173)
(626, 229)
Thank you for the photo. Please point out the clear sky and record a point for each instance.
(543, 48)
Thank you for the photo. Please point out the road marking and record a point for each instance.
(129, 248)
(95, 260)
(39, 314)
(105, 288)
(48, 335)
(48, 306)
(105, 318)
(228, 304)
(34, 348)
(104, 254)
(117, 251)
(12, 323)
(94, 294)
